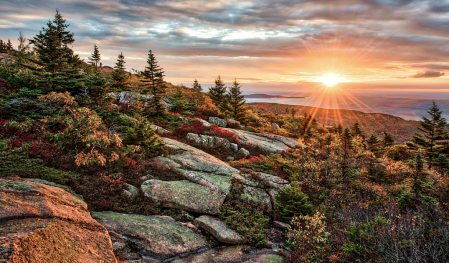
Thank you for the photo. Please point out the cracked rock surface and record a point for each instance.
(42, 222)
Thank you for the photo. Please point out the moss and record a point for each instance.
(17, 163)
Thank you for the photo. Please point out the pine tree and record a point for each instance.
(178, 100)
(99, 87)
(435, 135)
(22, 50)
(218, 95)
(388, 139)
(291, 201)
(120, 77)
(96, 57)
(441, 162)
(237, 102)
(197, 92)
(305, 129)
(293, 112)
(58, 69)
(373, 144)
(9, 46)
(153, 82)
(347, 140)
(357, 132)
(2, 47)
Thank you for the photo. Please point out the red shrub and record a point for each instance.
(214, 130)
(194, 127)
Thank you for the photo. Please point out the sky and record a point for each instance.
(271, 46)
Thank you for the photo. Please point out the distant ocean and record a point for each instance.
(407, 105)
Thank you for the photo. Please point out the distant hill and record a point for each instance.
(266, 96)
(401, 130)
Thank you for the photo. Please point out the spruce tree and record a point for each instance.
(293, 112)
(96, 57)
(347, 140)
(178, 100)
(441, 162)
(373, 144)
(9, 46)
(153, 82)
(120, 77)
(357, 132)
(237, 102)
(99, 87)
(388, 139)
(197, 92)
(218, 95)
(58, 69)
(2, 47)
(291, 201)
(22, 50)
(435, 135)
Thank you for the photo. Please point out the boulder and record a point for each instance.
(275, 126)
(281, 225)
(220, 230)
(184, 195)
(41, 222)
(228, 254)
(269, 180)
(218, 121)
(192, 164)
(206, 141)
(130, 98)
(267, 142)
(131, 191)
(242, 153)
(257, 195)
(234, 147)
(159, 237)
(160, 129)
(205, 123)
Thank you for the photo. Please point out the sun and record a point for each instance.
(330, 80)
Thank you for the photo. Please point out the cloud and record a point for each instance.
(428, 74)
(432, 66)
(250, 39)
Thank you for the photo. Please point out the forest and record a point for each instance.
(351, 196)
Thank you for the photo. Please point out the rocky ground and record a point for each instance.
(40, 219)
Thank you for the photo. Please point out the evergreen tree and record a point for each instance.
(237, 102)
(338, 128)
(58, 69)
(347, 140)
(305, 129)
(441, 162)
(218, 95)
(99, 87)
(9, 46)
(435, 135)
(96, 57)
(2, 47)
(120, 77)
(153, 82)
(22, 50)
(357, 132)
(373, 144)
(293, 112)
(178, 100)
(291, 201)
(197, 92)
(388, 140)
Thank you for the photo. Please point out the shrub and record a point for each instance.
(308, 238)
(246, 220)
(17, 163)
(291, 202)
